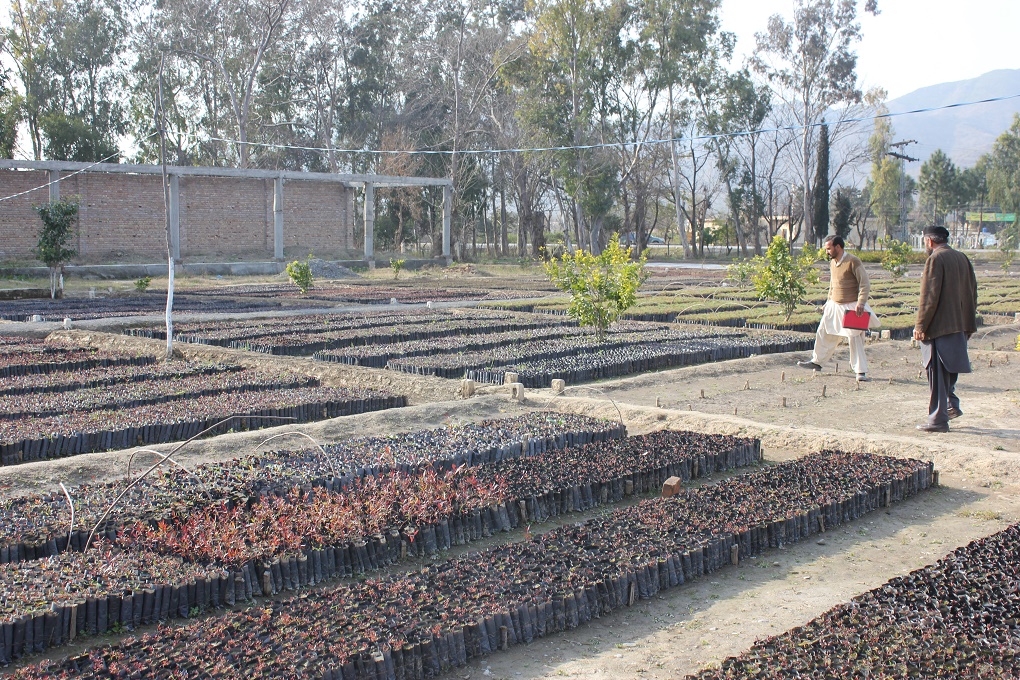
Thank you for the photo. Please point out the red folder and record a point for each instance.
(852, 320)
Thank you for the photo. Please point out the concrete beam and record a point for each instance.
(369, 221)
(175, 217)
(447, 216)
(189, 171)
(278, 218)
(54, 186)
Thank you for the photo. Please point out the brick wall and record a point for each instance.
(121, 217)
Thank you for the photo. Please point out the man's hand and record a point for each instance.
(918, 335)
(860, 308)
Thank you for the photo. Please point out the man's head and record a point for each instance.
(934, 236)
(834, 246)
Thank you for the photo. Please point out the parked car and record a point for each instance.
(630, 239)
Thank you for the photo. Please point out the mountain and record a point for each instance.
(963, 133)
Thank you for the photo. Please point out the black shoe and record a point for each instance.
(954, 413)
(809, 365)
(863, 378)
(944, 427)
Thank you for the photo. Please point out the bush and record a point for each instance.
(896, 256)
(784, 278)
(300, 274)
(875, 256)
(397, 266)
(142, 284)
(741, 272)
(601, 287)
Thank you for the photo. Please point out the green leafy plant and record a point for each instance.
(397, 266)
(142, 284)
(741, 272)
(1007, 246)
(58, 220)
(601, 287)
(784, 278)
(895, 256)
(300, 274)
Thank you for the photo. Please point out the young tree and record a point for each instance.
(783, 277)
(896, 256)
(601, 287)
(52, 249)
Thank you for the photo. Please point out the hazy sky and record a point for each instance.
(912, 43)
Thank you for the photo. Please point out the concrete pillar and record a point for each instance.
(54, 186)
(447, 216)
(369, 221)
(278, 218)
(175, 217)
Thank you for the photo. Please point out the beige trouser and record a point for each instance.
(826, 344)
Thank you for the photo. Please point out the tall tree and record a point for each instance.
(228, 42)
(889, 185)
(811, 66)
(938, 185)
(86, 39)
(577, 49)
(677, 34)
(820, 217)
(10, 114)
(1004, 169)
(26, 46)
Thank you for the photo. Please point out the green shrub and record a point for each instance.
(142, 284)
(397, 266)
(896, 256)
(784, 278)
(601, 287)
(300, 274)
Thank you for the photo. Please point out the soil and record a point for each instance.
(701, 623)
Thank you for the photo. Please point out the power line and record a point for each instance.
(604, 145)
(696, 138)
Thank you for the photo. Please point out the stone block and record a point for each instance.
(558, 386)
(671, 487)
(886, 335)
(517, 391)
(510, 377)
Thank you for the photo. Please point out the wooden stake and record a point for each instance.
(734, 410)
(782, 377)
(784, 402)
(702, 393)
(823, 390)
(657, 404)
(735, 555)
(747, 384)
